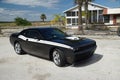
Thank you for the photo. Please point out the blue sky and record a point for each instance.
(32, 9)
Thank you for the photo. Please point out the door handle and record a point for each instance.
(26, 39)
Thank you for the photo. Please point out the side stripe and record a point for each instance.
(45, 42)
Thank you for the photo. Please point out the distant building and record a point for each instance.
(113, 14)
(97, 14)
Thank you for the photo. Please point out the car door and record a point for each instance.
(24, 40)
(35, 46)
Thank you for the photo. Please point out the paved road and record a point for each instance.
(104, 65)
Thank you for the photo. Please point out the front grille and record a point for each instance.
(83, 56)
(85, 47)
(85, 51)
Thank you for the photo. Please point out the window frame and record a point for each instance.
(27, 34)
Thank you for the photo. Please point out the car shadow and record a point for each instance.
(95, 58)
(39, 57)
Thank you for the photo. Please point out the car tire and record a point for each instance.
(58, 58)
(18, 49)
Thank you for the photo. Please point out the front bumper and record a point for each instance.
(84, 54)
(77, 56)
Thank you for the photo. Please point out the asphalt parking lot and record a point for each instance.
(104, 65)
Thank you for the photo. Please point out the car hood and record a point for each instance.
(74, 41)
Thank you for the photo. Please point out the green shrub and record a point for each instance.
(22, 22)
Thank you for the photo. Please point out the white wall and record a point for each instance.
(90, 7)
(114, 11)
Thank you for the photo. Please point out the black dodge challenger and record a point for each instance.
(53, 44)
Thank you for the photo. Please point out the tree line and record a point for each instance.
(57, 19)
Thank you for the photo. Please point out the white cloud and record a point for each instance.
(43, 3)
(13, 12)
(1, 10)
(9, 15)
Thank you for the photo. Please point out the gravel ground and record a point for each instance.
(104, 65)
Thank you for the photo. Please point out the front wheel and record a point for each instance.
(18, 48)
(58, 58)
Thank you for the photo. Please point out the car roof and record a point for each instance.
(41, 28)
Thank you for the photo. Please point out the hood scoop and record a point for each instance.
(73, 38)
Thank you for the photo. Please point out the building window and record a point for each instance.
(68, 21)
(77, 13)
(100, 18)
(68, 13)
(100, 12)
(74, 21)
(73, 13)
(94, 16)
(106, 19)
(118, 20)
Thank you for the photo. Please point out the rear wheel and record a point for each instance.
(18, 48)
(58, 58)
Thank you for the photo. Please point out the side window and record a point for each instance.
(33, 34)
(25, 33)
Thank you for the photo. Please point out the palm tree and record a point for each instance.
(87, 12)
(57, 18)
(43, 17)
(63, 20)
(80, 3)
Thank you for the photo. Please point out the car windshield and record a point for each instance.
(52, 33)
